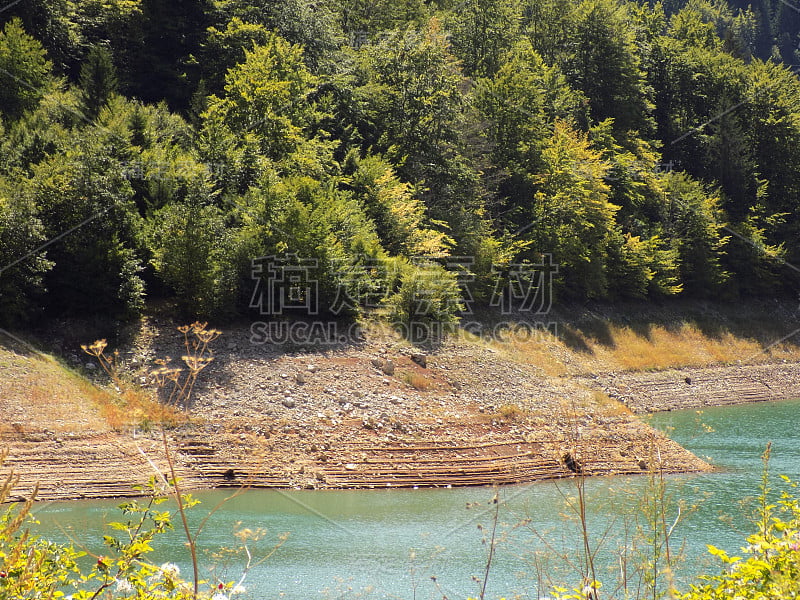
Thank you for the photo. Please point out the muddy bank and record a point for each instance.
(106, 465)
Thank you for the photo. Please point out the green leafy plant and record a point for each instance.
(428, 297)
(770, 566)
(33, 568)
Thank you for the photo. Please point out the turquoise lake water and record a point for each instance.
(392, 543)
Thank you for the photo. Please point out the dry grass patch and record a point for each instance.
(686, 345)
(511, 412)
(605, 346)
(139, 408)
(608, 406)
(417, 381)
(540, 349)
(38, 392)
(539, 353)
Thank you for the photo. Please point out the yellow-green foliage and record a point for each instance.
(33, 568)
(770, 567)
(400, 217)
(428, 294)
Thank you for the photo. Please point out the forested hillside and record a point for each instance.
(399, 149)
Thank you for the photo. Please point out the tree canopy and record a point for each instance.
(152, 150)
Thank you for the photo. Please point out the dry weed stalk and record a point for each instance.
(196, 339)
(107, 363)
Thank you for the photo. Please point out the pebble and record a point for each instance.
(288, 402)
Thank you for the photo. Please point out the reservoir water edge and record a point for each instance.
(393, 543)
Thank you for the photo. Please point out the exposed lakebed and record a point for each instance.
(389, 543)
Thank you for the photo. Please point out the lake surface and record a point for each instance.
(392, 543)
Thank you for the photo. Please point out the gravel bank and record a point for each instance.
(374, 412)
(675, 389)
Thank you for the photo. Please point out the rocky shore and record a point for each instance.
(377, 412)
(675, 389)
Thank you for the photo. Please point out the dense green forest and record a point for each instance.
(155, 150)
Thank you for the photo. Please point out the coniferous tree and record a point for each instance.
(98, 81)
(24, 70)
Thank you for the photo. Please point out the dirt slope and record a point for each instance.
(372, 414)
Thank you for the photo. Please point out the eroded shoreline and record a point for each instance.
(375, 415)
(685, 388)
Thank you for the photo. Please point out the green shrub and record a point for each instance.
(22, 262)
(86, 206)
(189, 242)
(427, 302)
(24, 70)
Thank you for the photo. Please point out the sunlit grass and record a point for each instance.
(536, 348)
(606, 346)
(55, 394)
(686, 345)
(660, 348)
(417, 381)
